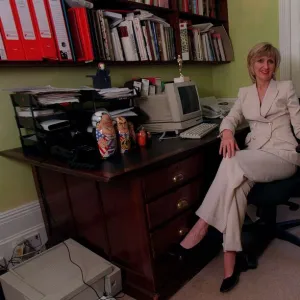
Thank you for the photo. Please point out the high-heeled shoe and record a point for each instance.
(230, 282)
(180, 253)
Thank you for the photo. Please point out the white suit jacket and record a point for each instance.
(270, 122)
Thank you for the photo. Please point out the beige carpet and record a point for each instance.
(276, 278)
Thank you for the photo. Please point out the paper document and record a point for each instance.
(26, 89)
(203, 27)
(119, 111)
(26, 112)
(146, 15)
(113, 93)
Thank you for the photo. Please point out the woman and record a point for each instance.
(270, 107)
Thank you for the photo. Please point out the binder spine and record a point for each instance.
(44, 31)
(10, 33)
(86, 33)
(81, 34)
(8, 21)
(28, 29)
(59, 28)
(3, 55)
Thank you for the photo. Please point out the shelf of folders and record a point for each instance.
(89, 35)
(48, 117)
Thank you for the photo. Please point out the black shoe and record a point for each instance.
(180, 253)
(230, 282)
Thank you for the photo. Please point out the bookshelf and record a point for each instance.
(174, 15)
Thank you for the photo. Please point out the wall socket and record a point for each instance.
(34, 240)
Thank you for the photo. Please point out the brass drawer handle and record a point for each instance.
(177, 178)
(182, 203)
(183, 231)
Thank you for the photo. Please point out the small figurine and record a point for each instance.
(106, 136)
(179, 60)
(142, 137)
(181, 78)
(102, 78)
(124, 135)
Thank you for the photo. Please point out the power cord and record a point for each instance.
(80, 271)
(105, 296)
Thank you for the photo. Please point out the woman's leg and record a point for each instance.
(211, 202)
(229, 263)
(261, 167)
(195, 235)
(225, 203)
(236, 216)
(215, 206)
(232, 236)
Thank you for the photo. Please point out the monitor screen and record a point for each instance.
(189, 99)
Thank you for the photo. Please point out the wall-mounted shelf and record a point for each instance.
(42, 64)
(173, 15)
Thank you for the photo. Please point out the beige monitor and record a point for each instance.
(178, 108)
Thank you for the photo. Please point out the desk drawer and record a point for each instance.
(172, 233)
(173, 203)
(163, 179)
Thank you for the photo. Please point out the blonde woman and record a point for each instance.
(270, 107)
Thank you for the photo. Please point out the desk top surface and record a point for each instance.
(135, 160)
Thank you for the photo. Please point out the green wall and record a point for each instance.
(16, 182)
(250, 22)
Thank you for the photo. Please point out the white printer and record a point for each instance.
(52, 276)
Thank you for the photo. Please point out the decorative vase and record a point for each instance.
(124, 135)
(106, 135)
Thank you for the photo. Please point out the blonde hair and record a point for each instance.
(259, 50)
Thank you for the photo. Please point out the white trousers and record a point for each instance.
(225, 204)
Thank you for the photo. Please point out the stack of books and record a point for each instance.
(159, 3)
(135, 36)
(205, 42)
(207, 8)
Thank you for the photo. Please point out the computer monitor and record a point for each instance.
(176, 109)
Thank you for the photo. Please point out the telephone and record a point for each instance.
(211, 111)
(213, 108)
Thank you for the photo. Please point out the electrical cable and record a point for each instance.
(82, 277)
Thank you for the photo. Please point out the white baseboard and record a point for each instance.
(18, 224)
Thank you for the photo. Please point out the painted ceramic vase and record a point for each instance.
(124, 135)
(106, 135)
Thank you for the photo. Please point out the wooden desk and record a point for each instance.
(133, 209)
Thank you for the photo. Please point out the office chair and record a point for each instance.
(267, 197)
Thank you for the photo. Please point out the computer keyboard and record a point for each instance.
(198, 131)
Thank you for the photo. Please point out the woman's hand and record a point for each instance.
(228, 144)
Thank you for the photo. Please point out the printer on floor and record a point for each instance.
(52, 276)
